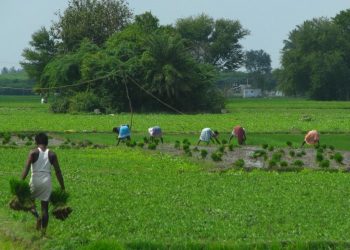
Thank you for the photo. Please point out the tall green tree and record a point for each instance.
(315, 62)
(214, 41)
(41, 51)
(95, 20)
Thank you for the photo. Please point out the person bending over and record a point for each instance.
(208, 135)
(238, 132)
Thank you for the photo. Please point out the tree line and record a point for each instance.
(176, 63)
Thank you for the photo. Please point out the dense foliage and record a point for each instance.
(315, 59)
(139, 56)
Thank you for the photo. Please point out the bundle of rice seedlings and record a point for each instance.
(21, 191)
(59, 200)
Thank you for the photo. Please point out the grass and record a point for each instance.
(130, 196)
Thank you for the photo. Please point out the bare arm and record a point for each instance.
(27, 165)
(56, 165)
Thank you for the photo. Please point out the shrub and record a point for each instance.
(29, 143)
(292, 153)
(221, 149)
(177, 145)
(152, 146)
(289, 143)
(230, 147)
(186, 141)
(324, 146)
(331, 147)
(281, 151)
(319, 157)
(303, 152)
(265, 146)
(299, 154)
(185, 147)
(223, 141)
(195, 149)
(284, 164)
(204, 153)
(140, 144)
(276, 157)
(320, 150)
(338, 157)
(298, 163)
(259, 153)
(272, 163)
(216, 156)
(239, 163)
(324, 164)
(84, 102)
(271, 148)
(145, 140)
(60, 105)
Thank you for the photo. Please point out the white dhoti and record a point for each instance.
(40, 186)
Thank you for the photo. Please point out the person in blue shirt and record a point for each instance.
(123, 132)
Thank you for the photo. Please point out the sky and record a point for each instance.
(269, 21)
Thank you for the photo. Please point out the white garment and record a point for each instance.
(40, 181)
(206, 134)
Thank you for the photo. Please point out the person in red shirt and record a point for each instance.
(238, 132)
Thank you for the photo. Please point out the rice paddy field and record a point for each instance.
(133, 198)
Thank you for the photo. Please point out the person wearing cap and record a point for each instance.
(238, 132)
(311, 138)
(208, 135)
(155, 132)
(123, 132)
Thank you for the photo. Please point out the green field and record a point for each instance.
(148, 200)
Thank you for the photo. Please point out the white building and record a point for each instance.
(249, 92)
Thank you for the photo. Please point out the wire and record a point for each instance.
(159, 100)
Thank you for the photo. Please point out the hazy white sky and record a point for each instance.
(269, 21)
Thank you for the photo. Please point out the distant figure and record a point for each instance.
(39, 162)
(42, 100)
(123, 132)
(155, 132)
(208, 135)
(238, 132)
(311, 138)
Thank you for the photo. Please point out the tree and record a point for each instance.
(315, 61)
(214, 41)
(96, 20)
(258, 65)
(4, 70)
(42, 50)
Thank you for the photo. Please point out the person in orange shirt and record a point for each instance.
(312, 137)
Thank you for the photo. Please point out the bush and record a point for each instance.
(259, 153)
(299, 154)
(204, 153)
(271, 148)
(60, 105)
(331, 147)
(272, 163)
(324, 146)
(185, 147)
(289, 143)
(276, 157)
(29, 143)
(319, 157)
(152, 146)
(186, 141)
(221, 149)
(230, 147)
(284, 164)
(292, 153)
(223, 141)
(320, 150)
(145, 140)
(298, 163)
(324, 164)
(239, 163)
(195, 149)
(177, 145)
(265, 146)
(216, 156)
(84, 102)
(338, 157)
(141, 144)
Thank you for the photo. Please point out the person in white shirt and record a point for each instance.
(39, 162)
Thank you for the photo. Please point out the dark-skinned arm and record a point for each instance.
(56, 165)
(27, 165)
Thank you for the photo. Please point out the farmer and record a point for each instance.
(208, 135)
(39, 162)
(238, 132)
(155, 132)
(311, 138)
(123, 132)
